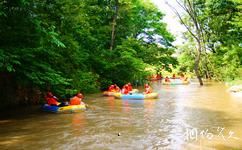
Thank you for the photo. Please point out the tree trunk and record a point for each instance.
(196, 67)
(114, 23)
(7, 89)
(189, 8)
(207, 72)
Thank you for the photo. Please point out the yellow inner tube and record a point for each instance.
(72, 108)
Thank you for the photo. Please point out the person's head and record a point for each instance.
(146, 85)
(49, 94)
(79, 95)
(129, 83)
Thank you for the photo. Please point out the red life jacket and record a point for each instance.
(130, 87)
(167, 80)
(125, 91)
(51, 101)
(111, 88)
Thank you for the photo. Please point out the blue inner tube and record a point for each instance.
(49, 108)
(133, 96)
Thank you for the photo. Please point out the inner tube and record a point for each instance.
(65, 109)
(136, 96)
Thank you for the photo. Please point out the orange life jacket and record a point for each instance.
(147, 90)
(75, 101)
(130, 87)
(117, 89)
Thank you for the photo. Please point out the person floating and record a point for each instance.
(111, 88)
(116, 88)
(148, 89)
(125, 89)
(130, 88)
(174, 76)
(182, 77)
(51, 99)
(167, 79)
(158, 76)
(77, 99)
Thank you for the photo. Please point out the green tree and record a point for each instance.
(220, 36)
(64, 46)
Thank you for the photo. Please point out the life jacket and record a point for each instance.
(130, 87)
(158, 76)
(147, 90)
(167, 80)
(117, 89)
(51, 101)
(111, 88)
(75, 101)
(173, 76)
(125, 91)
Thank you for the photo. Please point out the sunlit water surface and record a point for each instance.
(185, 117)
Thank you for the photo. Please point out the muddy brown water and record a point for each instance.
(184, 117)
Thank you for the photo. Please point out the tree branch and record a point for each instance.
(182, 21)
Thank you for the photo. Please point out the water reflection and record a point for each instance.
(149, 106)
(78, 121)
(111, 103)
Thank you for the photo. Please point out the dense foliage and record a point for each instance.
(222, 48)
(65, 45)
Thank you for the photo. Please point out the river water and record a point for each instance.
(185, 117)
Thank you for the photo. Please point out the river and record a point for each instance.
(185, 117)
